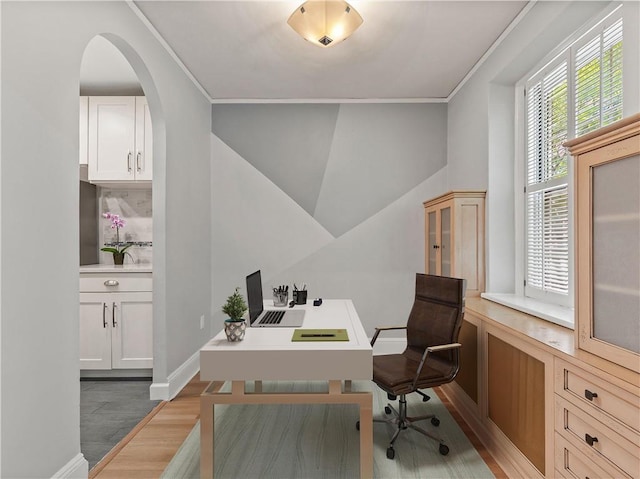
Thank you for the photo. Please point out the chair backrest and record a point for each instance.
(436, 315)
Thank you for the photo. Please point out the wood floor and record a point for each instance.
(146, 451)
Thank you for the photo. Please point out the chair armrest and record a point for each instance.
(425, 355)
(443, 347)
(387, 328)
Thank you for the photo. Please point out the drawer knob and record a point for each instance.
(590, 439)
(111, 282)
(590, 395)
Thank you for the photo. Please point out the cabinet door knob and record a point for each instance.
(111, 282)
(590, 439)
(590, 395)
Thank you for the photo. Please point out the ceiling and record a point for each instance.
(405, 50)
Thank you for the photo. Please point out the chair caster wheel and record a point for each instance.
(391, 453)
(358, 425)
(425, 398)
(387, 410)
(391, 397)
(435, 421)
(444, 450)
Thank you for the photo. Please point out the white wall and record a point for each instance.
(481, 127)
(42, 48)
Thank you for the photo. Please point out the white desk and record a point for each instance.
(269, 354)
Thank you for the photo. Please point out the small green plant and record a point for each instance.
(235, 307)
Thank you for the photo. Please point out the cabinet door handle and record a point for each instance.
(590, 439)
(590, 395)
(104, 315)
(138, 158)
(111, 282)
(113, 315)
(129, 162)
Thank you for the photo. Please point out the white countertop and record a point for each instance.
(110, 268)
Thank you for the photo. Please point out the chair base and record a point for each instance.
(401, 421)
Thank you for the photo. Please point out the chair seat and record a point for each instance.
(394, 373)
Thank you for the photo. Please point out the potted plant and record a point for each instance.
(118, 250)
(235, 307)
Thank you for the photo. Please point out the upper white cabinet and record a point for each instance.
(84, 130)
(120, 140)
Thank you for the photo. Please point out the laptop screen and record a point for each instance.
(254, 295)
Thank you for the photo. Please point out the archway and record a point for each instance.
(113, 75)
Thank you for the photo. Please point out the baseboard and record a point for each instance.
(116, 373)
(76, 468)
(389, 346)
(176, 380)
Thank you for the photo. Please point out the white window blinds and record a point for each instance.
(547, 197)
(580, 91)
(598, 80)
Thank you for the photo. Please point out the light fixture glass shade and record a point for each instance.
(325, 22)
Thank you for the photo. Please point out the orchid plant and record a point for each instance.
(116, 224)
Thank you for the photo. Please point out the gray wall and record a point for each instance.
(481, 126)
(330, 195)
(42, 47)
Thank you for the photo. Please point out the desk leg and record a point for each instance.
(206, 437)
(366, 437)
(207, 404)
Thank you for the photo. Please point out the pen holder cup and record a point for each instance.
(281, 299)
(300, 296)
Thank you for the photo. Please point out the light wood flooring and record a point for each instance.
(149, 447)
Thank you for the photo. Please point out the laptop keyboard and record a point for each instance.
(272, 317)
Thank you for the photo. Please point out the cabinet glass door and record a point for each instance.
(432, 242)
(445, 243)
(615, 254)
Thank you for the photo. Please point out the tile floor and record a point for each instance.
(108, 411)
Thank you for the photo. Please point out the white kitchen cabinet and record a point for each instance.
(119, 140)
(116, 321)
(84, 130)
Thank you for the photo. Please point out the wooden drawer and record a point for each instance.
(597, 441)
(115, 282)
(571, 464)
(616, 407)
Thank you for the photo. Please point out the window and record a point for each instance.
(578, 92)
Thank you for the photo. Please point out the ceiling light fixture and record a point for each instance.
(325, 22)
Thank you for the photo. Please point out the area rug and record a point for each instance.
(321, 441)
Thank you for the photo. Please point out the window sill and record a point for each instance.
(553, 313)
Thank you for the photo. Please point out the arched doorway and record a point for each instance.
(118, 101)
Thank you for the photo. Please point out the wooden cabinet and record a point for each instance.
(545, 408)
(597, 423)
(454, 237)
(116, 321)
(607, 186)
(119, 140)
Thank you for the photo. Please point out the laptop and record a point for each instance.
(268, 318)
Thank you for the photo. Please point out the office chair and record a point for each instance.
(431, 357)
